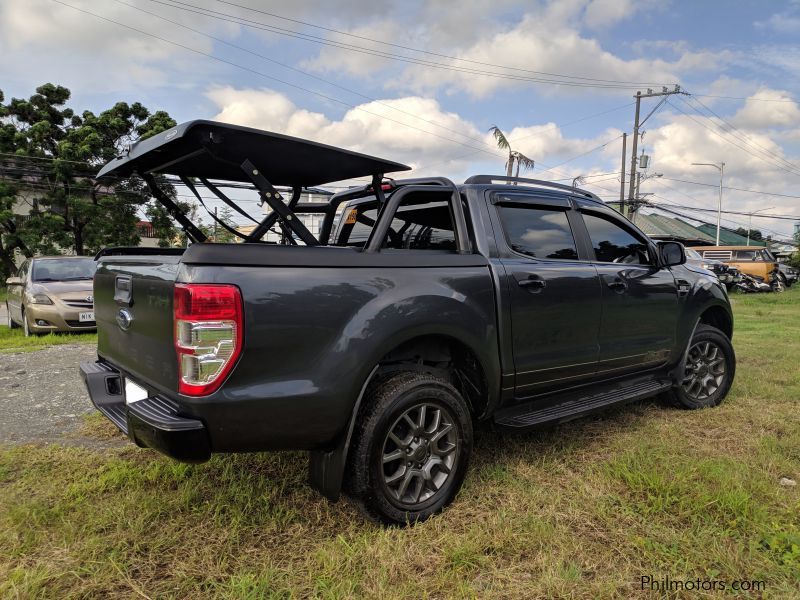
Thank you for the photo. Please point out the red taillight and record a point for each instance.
(208, 335)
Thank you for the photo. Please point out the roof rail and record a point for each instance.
(487, 179)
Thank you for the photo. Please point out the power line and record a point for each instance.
(739, 134)
(580, 82)
(669, 210)
(516, 140)
(748, 98)
(759, 215)
(431, 53)
(738, 189)
(723, 138)
(307, 74)
(595, 149)
(270, 77)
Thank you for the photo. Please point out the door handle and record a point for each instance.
(618, 285)
(532, 284)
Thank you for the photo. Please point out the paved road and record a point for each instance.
(42, 397)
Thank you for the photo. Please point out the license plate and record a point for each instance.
(85, 317)
(134, 392)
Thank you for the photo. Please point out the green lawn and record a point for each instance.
(14, 340)
(582, 510)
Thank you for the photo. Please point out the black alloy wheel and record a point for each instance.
(411, 447)
(708, 371)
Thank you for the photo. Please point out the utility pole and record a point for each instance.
(636, 125)
(633, 151)
(720, 166)
(622, 176)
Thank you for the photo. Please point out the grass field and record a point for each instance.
(583, 510)
(14, 340)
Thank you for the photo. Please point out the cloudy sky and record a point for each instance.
(422, 81)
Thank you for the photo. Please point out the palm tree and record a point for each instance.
(514, 157)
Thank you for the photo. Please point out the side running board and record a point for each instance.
(534, 413)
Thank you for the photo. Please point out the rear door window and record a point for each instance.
(748, 255)
(538, 232)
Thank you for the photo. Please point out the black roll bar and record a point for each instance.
(386, 215)
(192, 231)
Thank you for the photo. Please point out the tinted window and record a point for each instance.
(745, 255)
(416, 226)
(538, 232)
(612, 243)
(67, 269)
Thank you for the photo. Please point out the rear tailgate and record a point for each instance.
(133, 297)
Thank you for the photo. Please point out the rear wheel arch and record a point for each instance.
(440, 355)
(447, 357)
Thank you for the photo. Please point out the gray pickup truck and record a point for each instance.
(418, 309)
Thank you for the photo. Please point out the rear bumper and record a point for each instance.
(154, 422)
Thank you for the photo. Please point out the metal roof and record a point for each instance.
(728, 237)
(217, 150)
(655, 225)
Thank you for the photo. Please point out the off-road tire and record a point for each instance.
(682, 397)
(385, 405)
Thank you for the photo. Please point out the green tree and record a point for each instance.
(51, 154)
(514, 157)
(222, 235)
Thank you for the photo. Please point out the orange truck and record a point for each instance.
(755, 261)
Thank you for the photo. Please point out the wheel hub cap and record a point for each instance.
(419, 453)
(705, 370)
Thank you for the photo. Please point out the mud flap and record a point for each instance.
(326, 467)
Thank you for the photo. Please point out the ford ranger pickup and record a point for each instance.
(419, 309)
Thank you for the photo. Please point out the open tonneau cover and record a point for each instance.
(199, 151)
(217, 150)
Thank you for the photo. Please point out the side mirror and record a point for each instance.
(672, 253)
(14, 281)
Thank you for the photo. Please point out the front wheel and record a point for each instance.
(411, 448)
(708, 371)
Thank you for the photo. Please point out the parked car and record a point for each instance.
(757, 262)
(728, 275)
(379, 343)
(52, 293)
(788, 274)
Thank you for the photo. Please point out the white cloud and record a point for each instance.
(42, 40)
(548, 45)
(374, 127)
(786, 21)
(779, 110)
